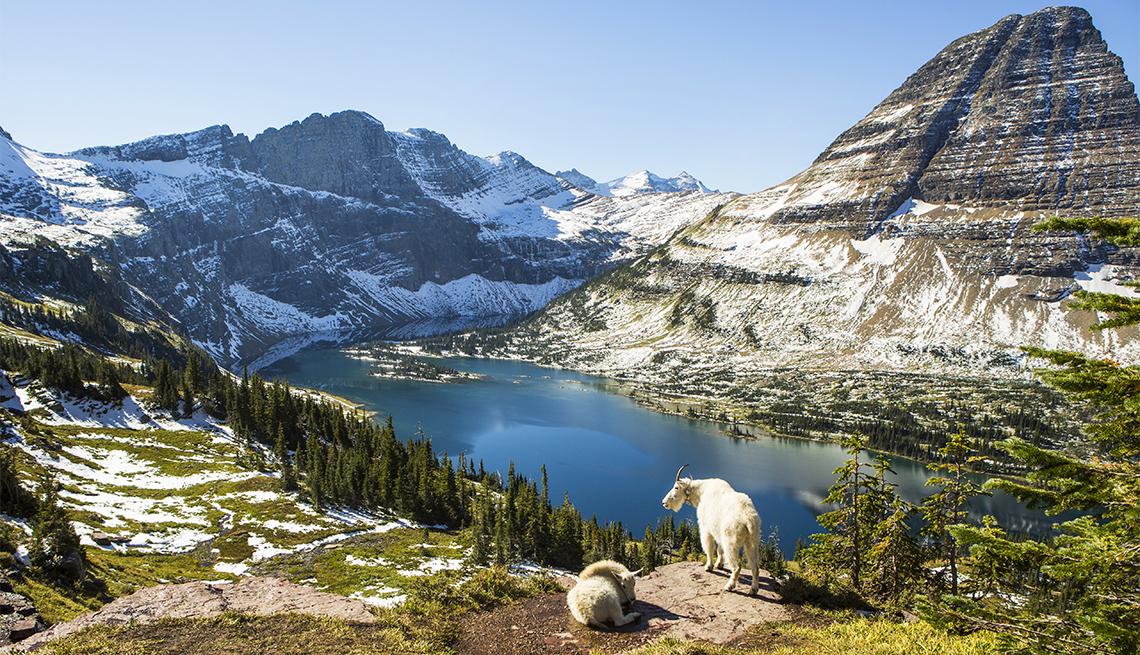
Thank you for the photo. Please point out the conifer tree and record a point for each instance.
(14, 499)
(281, 451)
(650, 557)
(844, 546)
(188, 401)
(166, 393)
(1078, 591)
(54, 547)
(947, 506)
(895, 559)
(108, 381)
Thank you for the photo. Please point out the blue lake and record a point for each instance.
(615, 458)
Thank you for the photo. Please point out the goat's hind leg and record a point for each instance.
(733, 557)
(754, 564)
(626, 619)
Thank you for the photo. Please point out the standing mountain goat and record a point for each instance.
(727, 520)
(602, 591)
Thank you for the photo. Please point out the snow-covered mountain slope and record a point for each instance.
(907, 246)
(646, 182)
(112, 459)
(577, 178)
(634, 184)
(327, 224)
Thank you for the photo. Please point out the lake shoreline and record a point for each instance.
(684, 406)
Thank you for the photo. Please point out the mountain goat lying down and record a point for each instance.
(603, 590)
(727, 521)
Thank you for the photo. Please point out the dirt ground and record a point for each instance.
(679, 600)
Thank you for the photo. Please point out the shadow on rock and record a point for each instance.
(744, 583)
(648, 611)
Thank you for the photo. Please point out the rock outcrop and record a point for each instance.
(251, 595)
(19, 618)
(1033, 113)
(679, 600)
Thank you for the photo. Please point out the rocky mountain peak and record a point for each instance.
(1033, 112)
(644, 181)
(347, 153)
(435, 139)
(576, 178)
(5, 134)
(330, 223)
(214, 146)
(908, 244)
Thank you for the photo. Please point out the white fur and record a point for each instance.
(602, 588)
(727, 521)
(615, 571)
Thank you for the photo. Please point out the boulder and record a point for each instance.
(18, 616)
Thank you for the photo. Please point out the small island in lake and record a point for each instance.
(391, 364)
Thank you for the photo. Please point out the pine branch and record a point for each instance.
(1125, 311)
(1118, 231)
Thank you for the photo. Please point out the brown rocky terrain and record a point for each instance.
(253, 595)
(19, 618)
(678, 600)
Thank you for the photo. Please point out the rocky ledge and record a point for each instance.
(254, 595)
(19, 618)
(682, 601)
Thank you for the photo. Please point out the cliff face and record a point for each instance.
(1033, 113)
(907, 244)
(328, 224)
(349, 154)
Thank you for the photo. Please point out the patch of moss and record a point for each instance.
(232, 633)
(53, 603)
(233, 546)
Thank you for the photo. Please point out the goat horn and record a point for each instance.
(678, 479)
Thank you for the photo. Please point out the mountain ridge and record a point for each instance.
(636, 183)
(327, 224)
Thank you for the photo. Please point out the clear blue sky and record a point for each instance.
(740, 94)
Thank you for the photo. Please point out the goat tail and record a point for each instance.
(754, 538)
